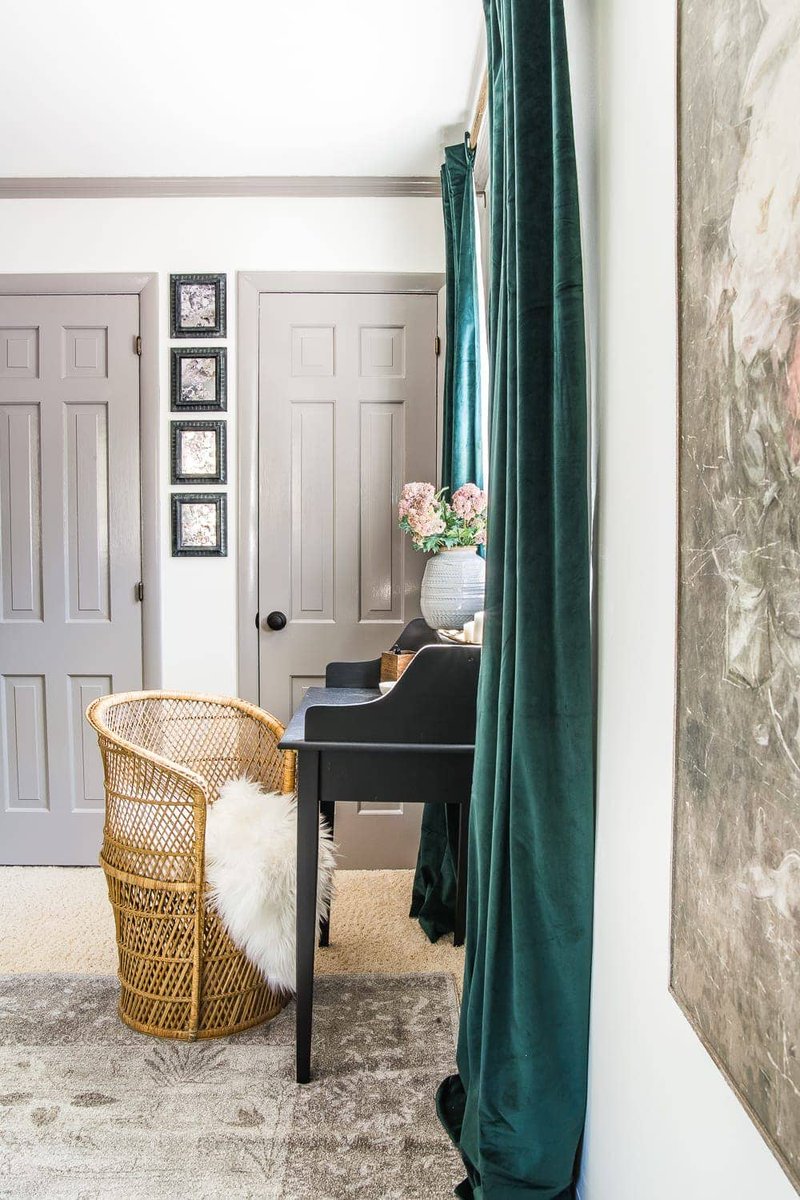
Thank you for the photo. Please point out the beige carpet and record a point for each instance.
(58, 919)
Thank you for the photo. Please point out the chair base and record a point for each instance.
(201, 1034)
(180, 974)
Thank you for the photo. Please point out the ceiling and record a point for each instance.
(234, 87)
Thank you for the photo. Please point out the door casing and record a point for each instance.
(251, 285)
(145, 286)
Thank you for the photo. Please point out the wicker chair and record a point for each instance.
(166, 756)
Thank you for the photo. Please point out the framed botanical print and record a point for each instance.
(197, 306)
(199, 379)
(198, 452)
(199, 525)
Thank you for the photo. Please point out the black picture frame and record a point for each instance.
(182, 549)
(178, 355)
(178, 329)
(218, 428)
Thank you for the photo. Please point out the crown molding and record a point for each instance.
(118, 187)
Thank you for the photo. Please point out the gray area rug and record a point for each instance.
(90, 1110)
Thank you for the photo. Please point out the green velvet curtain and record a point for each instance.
(462, 446)
(434, 893)
(516, 1107)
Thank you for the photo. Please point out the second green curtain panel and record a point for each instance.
(516, 1108)
(433, 899)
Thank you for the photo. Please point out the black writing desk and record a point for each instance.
(415, 744)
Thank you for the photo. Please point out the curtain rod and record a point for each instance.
(480, 111)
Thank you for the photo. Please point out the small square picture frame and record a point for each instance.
(198, 379)
(197, 306)
(198, 452)
(202, 533)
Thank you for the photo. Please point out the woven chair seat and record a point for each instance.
(166, 755)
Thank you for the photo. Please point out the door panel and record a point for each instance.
(383, 441)
(70, 559)
(24, 741)
(347, 414)
(87, 767)
(86, 451)
(312, 510)
(20, 499)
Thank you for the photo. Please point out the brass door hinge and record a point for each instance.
(138, 345)
(437, 345)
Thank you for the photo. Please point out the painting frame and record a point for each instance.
(182, 547)
(180, 326)
(178, 474)
(179, 356)
(753, 866)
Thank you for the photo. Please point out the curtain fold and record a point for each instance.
(516, 1107)
(462, 448)
(434, 892)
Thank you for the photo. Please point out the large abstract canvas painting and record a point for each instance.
(736, 878)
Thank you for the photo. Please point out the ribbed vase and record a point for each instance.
(453, 587)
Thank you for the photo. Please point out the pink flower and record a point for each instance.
(415, 497)
(425, 522)
(469, 502)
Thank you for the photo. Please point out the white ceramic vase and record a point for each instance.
(453, 587)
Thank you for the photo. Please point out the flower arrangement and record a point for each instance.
(437, 524)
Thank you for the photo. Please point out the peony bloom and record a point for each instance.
(469, 501)
(415, 497)
(436, 525)
(425, 522)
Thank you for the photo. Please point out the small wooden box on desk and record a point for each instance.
(393, 663)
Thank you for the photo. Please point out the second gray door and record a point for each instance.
(70, 561)
(347, 414)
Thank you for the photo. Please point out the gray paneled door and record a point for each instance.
(347, 414)
(70, 560)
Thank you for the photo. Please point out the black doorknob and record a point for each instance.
(276, 620)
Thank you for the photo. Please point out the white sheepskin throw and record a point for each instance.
(251, 869)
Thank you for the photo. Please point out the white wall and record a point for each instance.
(663, 1123)
(199, 619)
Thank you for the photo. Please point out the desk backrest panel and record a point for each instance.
(434, 701)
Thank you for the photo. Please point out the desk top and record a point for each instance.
(295, 734)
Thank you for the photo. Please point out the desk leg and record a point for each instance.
(307, 852)
(461, 874)
(328, 810)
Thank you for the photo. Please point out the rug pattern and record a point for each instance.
(90, 1110)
